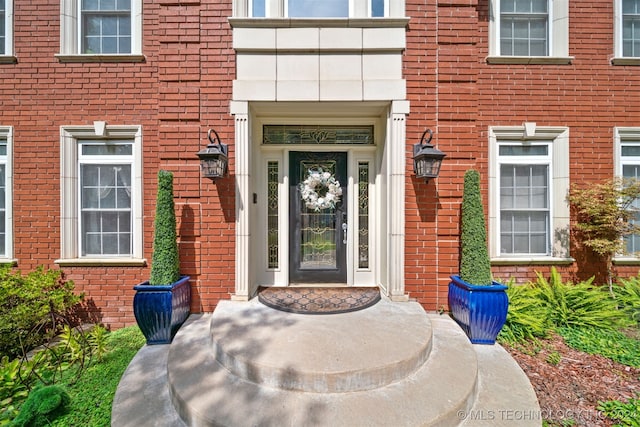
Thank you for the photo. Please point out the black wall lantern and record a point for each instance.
(426, 158)
(213, 159)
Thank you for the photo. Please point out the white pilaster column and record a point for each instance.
(240, 110)
(395, 199)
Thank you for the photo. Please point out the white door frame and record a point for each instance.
(388, 157)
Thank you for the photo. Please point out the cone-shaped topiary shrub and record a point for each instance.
(475, 266)
(165, 266)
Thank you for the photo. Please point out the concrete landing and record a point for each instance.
(257, 366)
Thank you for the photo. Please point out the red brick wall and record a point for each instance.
(184, 87)
(180, 90)
(457, 94)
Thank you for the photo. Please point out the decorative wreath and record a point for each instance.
(320, 190)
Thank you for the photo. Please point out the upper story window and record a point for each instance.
(631, 28)
(524, 27)
(529, 31)
(106, 26)
(317, 9)
(101, 30)
(528, 180)
(6, 27)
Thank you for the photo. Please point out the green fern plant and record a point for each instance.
(165, 265)
(578, 305)
(475, 265)
(528, 317)
(628, 297)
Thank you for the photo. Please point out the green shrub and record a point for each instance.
(578, 305)
(42, 406)
(13, 390)
(475, 265)
(165, 266)
(25, 301)
(627, 294)
(608, 343)
(527, 318)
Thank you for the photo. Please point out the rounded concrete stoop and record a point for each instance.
(249, 365)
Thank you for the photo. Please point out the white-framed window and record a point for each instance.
(6, 27)
(529, 31)
(101, 194)
(101, 28)
(528, 181)
(316, 9)
(627, 165)
(524, 27)
(6, 194)
(627, 31)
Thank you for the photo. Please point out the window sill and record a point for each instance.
(530, 60)
(625, 61)
(8, 59)
(100, 58)
(8, 261)
(102, 262)
(626, 261)
(532, 261)
(318, 22)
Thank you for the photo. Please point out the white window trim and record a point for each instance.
(6, 132)
(558, 37)
(69, 181)
(621, 136)
(618, 58)
(8, 56)
(357, 9)
(560, 216)
(70, 35)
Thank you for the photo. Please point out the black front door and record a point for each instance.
(317, 217)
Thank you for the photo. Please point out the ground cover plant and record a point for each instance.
(579, 347)
(25, 300)
(85, 398)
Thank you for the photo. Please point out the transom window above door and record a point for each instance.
(317, 134)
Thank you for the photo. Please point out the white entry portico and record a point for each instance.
(324, 78)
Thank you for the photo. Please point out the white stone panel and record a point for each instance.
(340, 38)
(298, 67)
(340, 90)
(298, 90)
(340, 67)
(253, 90)
(255, 67)
(381, 67)
(379, 90)
(254, 38)
(383, 38)
(297, 38)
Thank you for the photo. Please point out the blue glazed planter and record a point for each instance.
(161, 310)
(481, 311)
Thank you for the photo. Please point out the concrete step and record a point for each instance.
(321, 353)
(252, 341)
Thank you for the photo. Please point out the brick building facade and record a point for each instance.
(564, 110)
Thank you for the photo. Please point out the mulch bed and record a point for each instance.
(571, 389)
(318, 300)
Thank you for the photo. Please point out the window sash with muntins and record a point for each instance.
(630, 162)
(524, 27)
(105, 176)
(105, 26)
(524, 202)
(317, 9)
(631, 28)
(3, 27)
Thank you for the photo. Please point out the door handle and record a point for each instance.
(344, 232)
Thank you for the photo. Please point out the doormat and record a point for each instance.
(318, 300)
